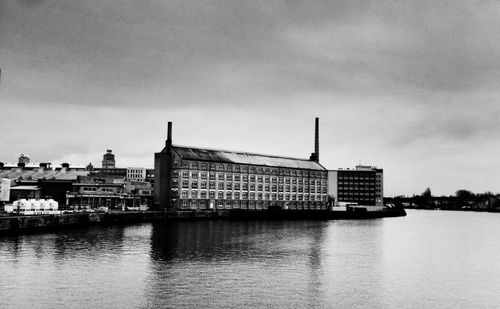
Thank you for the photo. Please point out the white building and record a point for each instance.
(136, 173)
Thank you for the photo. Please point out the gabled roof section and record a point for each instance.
(238, 157)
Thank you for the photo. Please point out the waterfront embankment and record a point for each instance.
(24, 224)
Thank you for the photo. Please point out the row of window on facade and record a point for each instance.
(95, 189)
(246, 169)
(356, 193)
(249, 196)
(365, 188)
(237, 204)
(371, 178)
(246, 177)
(246, 186)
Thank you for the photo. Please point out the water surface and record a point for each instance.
(429, 259)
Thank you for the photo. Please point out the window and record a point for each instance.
(212, 185)
(220, 195)
(220, 167)
(275, 188)
(220, 176)
(228, 195)
(220, 186)
(184, 194)
(203, 166)
(259, 179)
(266, 196)
(212, 176)
(229, 185)
(229, 168)
(245, 186)
(229, 177)
(194, 194)
(244, 195)
(252, 178)
(267, 188)
(252, 187)
(259, 187)
(203, 194)
(194, 165)
(259, 196)
(203, 175)
(237, 177)
(236, 195)
(236, 186)
(194, 185)
(185, 174)
(185, 184)
(252, 195)
(211, 194)
(267, 179)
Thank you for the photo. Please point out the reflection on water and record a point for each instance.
(427, 259)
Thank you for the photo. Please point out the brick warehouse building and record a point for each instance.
(189, 178)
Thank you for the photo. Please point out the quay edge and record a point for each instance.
(36, 223)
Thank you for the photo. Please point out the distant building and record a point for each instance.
(136, 173)
(23, 158)
(200, 178)
(363, 185)
(108, 160)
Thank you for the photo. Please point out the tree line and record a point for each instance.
(462, 200)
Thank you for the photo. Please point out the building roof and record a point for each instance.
(227, 156)
(25, 188)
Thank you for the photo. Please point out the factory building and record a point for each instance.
(362, 185)
(199, 178)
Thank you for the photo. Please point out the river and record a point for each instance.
(428, 259)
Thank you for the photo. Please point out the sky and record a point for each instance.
(408, 86)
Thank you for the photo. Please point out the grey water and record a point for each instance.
(429, 259)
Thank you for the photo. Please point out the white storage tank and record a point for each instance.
(36, 205)
(24, 205)
(53, 204)
(44, 204)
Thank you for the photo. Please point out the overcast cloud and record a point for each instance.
(409, 86)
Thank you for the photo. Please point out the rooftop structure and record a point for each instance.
(108, 159)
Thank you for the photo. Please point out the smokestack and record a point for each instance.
(316, 140)
(169, 134)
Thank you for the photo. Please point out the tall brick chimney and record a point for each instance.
(168, 143)
(315, 155)
(316, 140)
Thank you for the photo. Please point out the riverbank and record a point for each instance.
(34, 223)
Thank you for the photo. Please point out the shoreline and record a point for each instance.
(21, 224)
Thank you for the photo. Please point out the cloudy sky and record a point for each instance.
(412, 87)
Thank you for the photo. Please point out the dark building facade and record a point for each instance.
(362, 185)
(199, 178)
